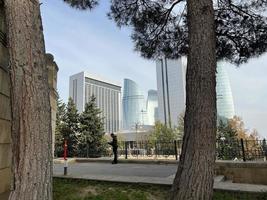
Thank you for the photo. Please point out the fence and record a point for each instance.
(246, 150)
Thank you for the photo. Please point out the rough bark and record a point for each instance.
(194, 178)
(31, 115)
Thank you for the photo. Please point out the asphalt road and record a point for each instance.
(123, 169)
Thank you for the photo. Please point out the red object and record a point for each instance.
(65, 150)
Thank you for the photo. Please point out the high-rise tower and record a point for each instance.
(152, 107)
(171, 89)
(171, 82)
(225, 103)
(133, 105)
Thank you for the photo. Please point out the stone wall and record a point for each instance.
(5, 112)
(52, 80)
(243, 172)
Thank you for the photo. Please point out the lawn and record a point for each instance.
(66, 189)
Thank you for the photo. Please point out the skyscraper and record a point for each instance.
(133, 105)
(107, 93)
(225, 103)
(171, 81)
(152, 107)
(171, 89)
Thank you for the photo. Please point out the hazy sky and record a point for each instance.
(89, 41)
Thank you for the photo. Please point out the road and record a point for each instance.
(124, 169)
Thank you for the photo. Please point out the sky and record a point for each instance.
(89, 41)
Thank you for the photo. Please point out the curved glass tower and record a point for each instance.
(152, 107)
(225, 104)
(132, 104)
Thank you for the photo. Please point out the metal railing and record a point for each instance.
(246, 150)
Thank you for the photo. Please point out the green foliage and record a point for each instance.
(82, 4)
(162, 133)
(91, 131)
(264, 147)
(61, 109)
(160, 28)
(228, 143)
(179, 130)
(70, 128)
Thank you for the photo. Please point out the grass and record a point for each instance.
(67, 189)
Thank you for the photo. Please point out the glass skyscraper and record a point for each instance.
(171, 82)
(152, 107)
(171, 89)
(133, 105)
(225, 104)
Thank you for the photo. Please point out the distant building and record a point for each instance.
(152, 107)
(108, 97)
(171, 89)
(171, 82)
(225, 103)
(133, 105)
(138, 133)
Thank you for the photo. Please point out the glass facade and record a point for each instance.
(133, 105)
(171, 84)
(171, 89)
(152, 107)
(225, 104)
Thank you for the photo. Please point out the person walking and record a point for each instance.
(114, 144)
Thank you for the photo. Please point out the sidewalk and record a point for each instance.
(139, 173)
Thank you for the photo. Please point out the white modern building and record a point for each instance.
(171, 89)
(107, 93)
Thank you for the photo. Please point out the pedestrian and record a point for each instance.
(114, 144)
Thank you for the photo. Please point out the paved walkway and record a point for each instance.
(141, 173)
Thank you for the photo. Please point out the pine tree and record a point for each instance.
(205, 31)
(59, 138)
(70, 128)
(31, 112)
(158, 30)
(91, 130)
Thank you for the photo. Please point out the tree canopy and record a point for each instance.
(82, 4)
(160, 27)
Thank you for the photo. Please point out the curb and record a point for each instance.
(88, 160)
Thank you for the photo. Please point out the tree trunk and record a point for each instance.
(194, 178)
(31, 114)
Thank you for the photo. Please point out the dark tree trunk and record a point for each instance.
(194, 178)
(31, 117)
